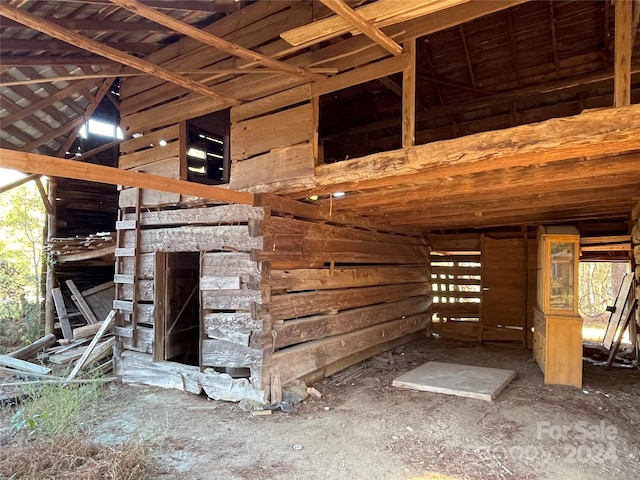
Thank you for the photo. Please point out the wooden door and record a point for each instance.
(504, 289)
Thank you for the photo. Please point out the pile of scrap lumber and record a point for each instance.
(85, 347)
(81, 247)
(45, 362)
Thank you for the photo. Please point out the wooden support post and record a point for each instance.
(409, 95)
(50, 283)
(622, 51)
(315, 122)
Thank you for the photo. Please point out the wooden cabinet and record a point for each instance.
(557, 336)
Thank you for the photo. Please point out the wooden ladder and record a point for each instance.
(127, 307)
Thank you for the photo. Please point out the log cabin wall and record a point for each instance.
(204, 254)
(286, 291)
(337, 291)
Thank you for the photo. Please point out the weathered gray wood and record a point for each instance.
(30, 351)
(100, 298)
(135, 367)
(83, 359)
(220, 283)
(326, 279)
(224, 264)
(295, 362)
(146, 313)
(143, 342)
(195, 239)
(124, 305)
(81, 303)
(126, 224)
(145, 291)
(63, 316)
(122, 278)
(128, 198)
(102, 350)
(238, 335)
(87, 330)
(23, 365)
(217, 215)
(125, 252)
(312, 328)
(296, 305)
(145, 266)
(230, 299)
(231, 321)
(219, 353)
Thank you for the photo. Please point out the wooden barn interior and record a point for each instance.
(290, 187)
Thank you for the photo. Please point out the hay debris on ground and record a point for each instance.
(73, 458)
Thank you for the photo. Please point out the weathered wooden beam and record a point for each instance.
(30, 351)
(17, 183)
(593, 133)
(214, 41)
(369, 29)
(294, 362)
(296, 305)
(51, 60)
(535, 179)
(623, 51)
(45, 102)
(52, 166)
(381, 13)
(53, 30)
(409, 95)
(321, 326)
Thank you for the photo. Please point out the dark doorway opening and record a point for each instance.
(178, 304)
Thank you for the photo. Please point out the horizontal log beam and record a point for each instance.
(594, 133)
(58, 167)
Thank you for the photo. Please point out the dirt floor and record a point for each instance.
(363, 428)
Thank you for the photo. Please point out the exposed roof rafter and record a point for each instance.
(214, 41)
(44, 26)
(369, 29)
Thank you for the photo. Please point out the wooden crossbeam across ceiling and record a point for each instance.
(214, 41)
(53, 30)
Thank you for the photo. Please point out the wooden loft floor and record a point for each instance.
(440, 115)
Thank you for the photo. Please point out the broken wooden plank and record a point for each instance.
(61, 310)
(81, 303)
(87, 330)
(219, 353)
(23, 365)
(30, 351)
(107, 323)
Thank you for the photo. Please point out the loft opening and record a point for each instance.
(361, 120)
(208, 148)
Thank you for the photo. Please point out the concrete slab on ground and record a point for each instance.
(453, 379)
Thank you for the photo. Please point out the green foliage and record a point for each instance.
(21, 229)
(55, 410)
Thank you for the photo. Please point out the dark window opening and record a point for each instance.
(207, 149)
(361, 120)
